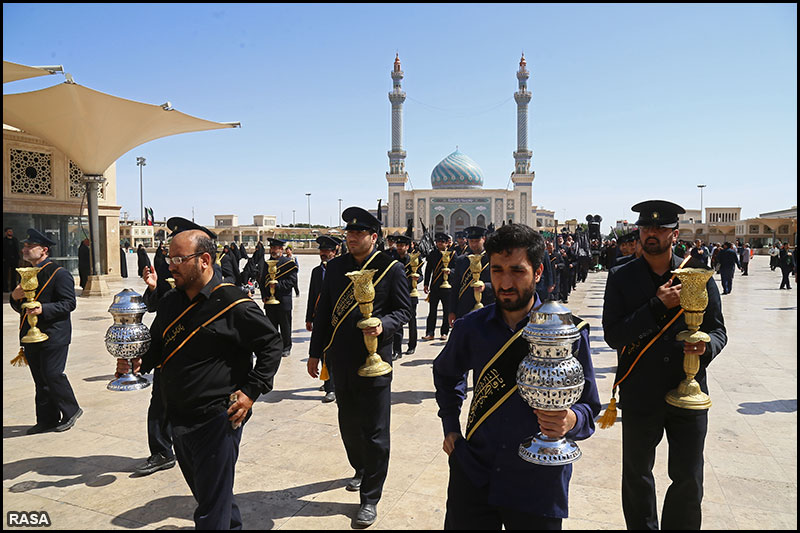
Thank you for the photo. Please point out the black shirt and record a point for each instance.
(197, 381)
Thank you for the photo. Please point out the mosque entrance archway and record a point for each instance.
(438, 226)
(458, 221)
(481, 221)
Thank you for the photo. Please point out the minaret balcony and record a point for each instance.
(396, 154)
(397, 97)
(522, 97)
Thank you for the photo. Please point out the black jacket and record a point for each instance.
(633, 315)
(58, 301)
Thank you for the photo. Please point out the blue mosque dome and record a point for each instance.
(457, 171)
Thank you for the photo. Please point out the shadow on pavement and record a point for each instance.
(411, 397)
(92, 471)
(774, 406)
(259, 509)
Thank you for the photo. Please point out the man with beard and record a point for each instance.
(56, 406)
(641, 317)
(204, 336)
(490, 485)
(327, 251)
(462, 295)
(364, 401)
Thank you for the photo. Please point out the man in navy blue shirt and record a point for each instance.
(490, 485)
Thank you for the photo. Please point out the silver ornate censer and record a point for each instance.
(550, 379)
(128, 338)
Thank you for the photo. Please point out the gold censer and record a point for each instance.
(446, 255)
(694, 300)
(29, 284)
(476, 267)
(272, 265)
(415, 263)
(364, 292)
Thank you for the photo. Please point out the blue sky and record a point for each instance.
(630, 102)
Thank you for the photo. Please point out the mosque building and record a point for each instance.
(457, 198)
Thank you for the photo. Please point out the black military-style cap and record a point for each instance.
(360, 219)
(475, 232)
(629, 237)
(179, 224)
(659, 213)
(402, 239)
(392, 238)
(37, 237)
(441, 237)
(276, 242)
(326, 242)
(461, 235)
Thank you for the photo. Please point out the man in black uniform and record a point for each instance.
(462, 296)
(642, 316)
(403, 257)
(280, 314)
(433, 288)
(327, 251)
(461, 247)
(56, 406)
(230, 265)
(10, 259)
(364, 402)
(203, 339)
(627, 247)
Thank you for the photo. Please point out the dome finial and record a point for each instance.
(522, 61)
(397, 61)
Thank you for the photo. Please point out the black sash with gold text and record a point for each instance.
(347, 300)
(498, 379)
(177, 334)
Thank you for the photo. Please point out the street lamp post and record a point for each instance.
(141, 162)
(308, 195)
(340, 212)
(293, 224)
(701, 187)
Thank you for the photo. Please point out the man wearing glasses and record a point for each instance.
(56, 406)
(203, 338)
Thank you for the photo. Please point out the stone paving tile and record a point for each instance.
(292, 468)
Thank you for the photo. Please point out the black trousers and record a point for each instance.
(744, 268)
(785, 279)
(282, 320)
(159, 430)
(468, 508)
(397, 341)
(207, 456)
(436, 297)
(55, 400)
(686, 434)
(364, 412)
(9, 276)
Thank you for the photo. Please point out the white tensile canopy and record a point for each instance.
(15, 71)
(95, 129)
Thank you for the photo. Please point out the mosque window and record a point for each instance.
(30, 172)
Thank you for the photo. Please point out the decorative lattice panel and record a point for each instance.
(77, 185)
(30, 172)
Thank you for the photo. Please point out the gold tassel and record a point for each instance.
(610, 416)
(20, 359)
(323, 375)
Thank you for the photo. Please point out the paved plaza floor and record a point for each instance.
(292, 468)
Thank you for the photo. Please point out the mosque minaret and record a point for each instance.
(457, 198)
